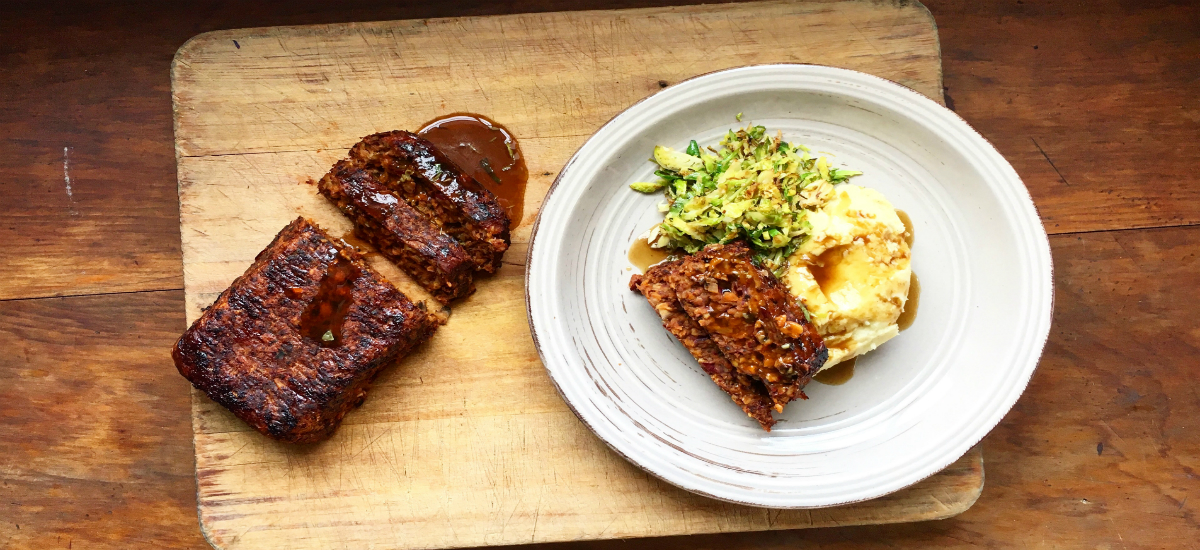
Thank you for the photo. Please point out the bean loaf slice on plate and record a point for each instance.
(747, 393)
(751, 317)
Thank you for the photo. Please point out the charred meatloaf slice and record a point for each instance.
(402, 235)
(293, 343)
(434, 185)
(747, 393)
(751, 318)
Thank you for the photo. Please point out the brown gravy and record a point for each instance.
(909, 313)
(642, 255)
(363, 247)
(838, 374)
(485, 151)
(842, 372)
(825, 267)
(323, 318)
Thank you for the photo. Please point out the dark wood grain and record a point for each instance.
(1101, 121)
(82, 99)
(95, 424)
(1094, 103)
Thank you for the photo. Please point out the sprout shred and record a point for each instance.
(754, 187)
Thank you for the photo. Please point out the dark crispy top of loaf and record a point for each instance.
(477, 203)
(400, 152)
(366, 193)
(401, 233)
(249, 353)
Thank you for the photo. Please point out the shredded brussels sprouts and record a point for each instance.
(753, 187)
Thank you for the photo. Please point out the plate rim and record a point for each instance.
(1023, 196)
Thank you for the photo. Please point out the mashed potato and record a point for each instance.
(853, 272)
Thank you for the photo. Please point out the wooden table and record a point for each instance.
(1097, 105)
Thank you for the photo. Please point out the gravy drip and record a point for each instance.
(485, 151)
(642, 255)
(838, 374)
(909, 313)
(323, 319)
(362, 246)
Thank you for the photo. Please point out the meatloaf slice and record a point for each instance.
(294, 343)
(403, 235)
(434, 185)
(747, 393)
(751, 318)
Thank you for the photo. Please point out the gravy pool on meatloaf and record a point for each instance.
(293, 344)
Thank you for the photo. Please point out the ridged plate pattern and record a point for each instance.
(913, 407)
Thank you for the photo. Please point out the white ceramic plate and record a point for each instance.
(913, 407)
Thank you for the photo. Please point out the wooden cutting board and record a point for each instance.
(466, 443)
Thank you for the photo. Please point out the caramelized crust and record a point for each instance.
(293, 344)
(432, 184)
(751, 318)
(402, 234)
(746, 392)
